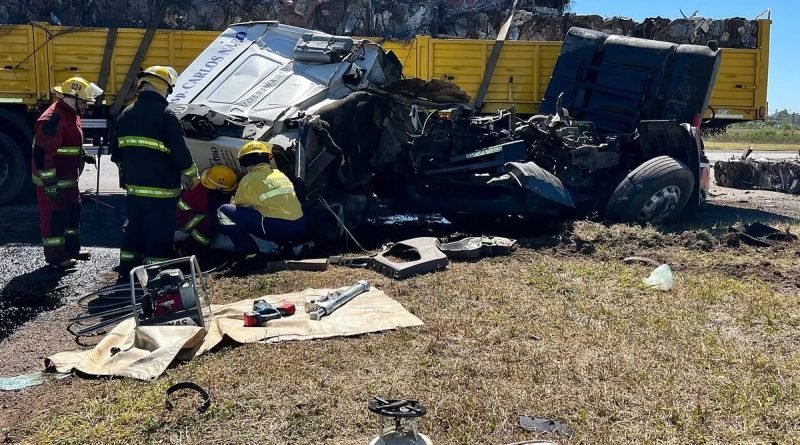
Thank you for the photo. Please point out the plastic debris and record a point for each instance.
(478, 246)
(542, 425)
(21, 381)
(661, 278)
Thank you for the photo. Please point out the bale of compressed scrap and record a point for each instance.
(779, 176)
(479, 19)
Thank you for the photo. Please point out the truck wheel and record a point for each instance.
(12, 169)
(655, 192)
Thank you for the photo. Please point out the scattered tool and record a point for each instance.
(334, 300)
(171, 300)
(158, 294)
(405, 414)
(263, 312)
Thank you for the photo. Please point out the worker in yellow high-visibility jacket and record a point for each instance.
(265, 204)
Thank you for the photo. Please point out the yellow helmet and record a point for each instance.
(255, 147)
(79, 88)
(162, 78)
(219, 177)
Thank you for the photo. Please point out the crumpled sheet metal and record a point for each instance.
(427, 248)
(778, 176)
(474, 247)
(480, 19)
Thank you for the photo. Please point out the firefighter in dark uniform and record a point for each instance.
(152, 156)
(58, 160)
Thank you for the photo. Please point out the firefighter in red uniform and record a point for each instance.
(58, 160)
(197, 208)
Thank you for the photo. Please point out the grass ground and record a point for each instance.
(764, 135)
(742, 146)
(561, 329)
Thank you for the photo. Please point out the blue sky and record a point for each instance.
(784, 68)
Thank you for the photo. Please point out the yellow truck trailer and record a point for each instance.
(37, 56)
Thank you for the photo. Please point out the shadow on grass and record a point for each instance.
(25, 296)
(717, 218)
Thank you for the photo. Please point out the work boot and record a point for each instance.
(82, 255)
(65, 264)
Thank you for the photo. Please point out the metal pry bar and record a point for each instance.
(334, 300)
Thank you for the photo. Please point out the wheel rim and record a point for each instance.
(661, 205)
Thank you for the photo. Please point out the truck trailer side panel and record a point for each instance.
(524, 69)
(18, 83)
(38, 56)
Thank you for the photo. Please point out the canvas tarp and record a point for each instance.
(146, 352)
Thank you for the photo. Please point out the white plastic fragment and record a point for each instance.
(660, 278)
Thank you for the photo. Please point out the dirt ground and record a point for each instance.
(560, 329)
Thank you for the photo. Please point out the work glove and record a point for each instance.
(89, 159)
(189, 182)
(51, 191)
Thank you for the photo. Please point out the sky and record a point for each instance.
(784, 67)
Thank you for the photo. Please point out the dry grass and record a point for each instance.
(546, 332)
(742, 146)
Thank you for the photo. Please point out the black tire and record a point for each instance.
(655, 192)
(13, 169)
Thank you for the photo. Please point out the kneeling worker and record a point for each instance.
(265, 204)
(197, 208)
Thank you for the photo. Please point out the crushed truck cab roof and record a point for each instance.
(257, 71)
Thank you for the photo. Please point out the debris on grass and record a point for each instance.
(21, 381)
(661, 278)
(778, 176)
(542, 425)
(756, 234)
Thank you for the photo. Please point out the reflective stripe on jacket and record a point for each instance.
(57, 146)
(197, 212)
(150, 149)
(270, 192)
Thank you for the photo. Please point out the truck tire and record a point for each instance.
(656, 192)
(13, 169)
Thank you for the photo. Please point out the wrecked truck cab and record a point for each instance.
(619, 136)
(257, 78)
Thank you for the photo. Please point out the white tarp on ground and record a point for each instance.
(146, 352)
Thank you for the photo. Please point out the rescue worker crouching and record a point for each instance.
(197, 208)
(265, 204)
(152, 155)
(58, 160)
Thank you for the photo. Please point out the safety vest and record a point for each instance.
(270, 192)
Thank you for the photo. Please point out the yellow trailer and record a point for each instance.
(37, 56)
(524, 68)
